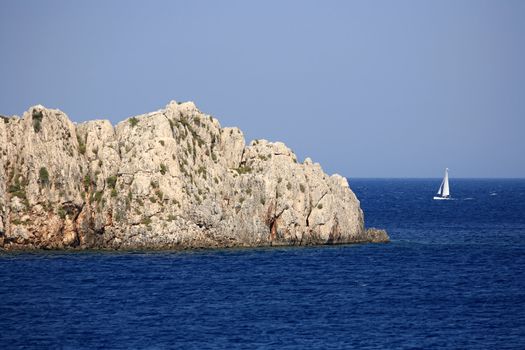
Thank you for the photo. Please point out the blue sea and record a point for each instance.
(452, 277)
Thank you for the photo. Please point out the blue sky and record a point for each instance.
(366, 88)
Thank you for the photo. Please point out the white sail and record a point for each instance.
(440, 190)
(445, 192)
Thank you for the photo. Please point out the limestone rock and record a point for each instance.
(376, 235)
(173, 178)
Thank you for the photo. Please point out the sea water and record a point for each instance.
(452, 277)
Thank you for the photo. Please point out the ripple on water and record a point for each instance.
(454, 283)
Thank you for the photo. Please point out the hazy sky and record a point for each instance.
(366, 88)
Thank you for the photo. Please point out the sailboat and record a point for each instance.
(444, 191)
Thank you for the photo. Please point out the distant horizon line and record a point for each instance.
(432, 178)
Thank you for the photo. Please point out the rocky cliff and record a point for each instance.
(167, 179)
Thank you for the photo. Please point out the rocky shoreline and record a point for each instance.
(170, 179)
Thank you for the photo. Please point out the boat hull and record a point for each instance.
(442, 198)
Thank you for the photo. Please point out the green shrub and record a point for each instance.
(289, 186)
(113, 192)
(133, 121)
(62, 213)
(128, 202)
(81, 145)
(98, 196)
(17, 221)
(163, 169)
(319, 206)
(43, 176)
(37, 120)
(112, 181)
(301, 187)
(17, 189)
(87, 182)
(244, 169)
(146, 221)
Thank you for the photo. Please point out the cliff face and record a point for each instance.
(167, 179)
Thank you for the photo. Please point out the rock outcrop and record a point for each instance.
(168, 179)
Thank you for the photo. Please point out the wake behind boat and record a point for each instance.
(444, 190)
